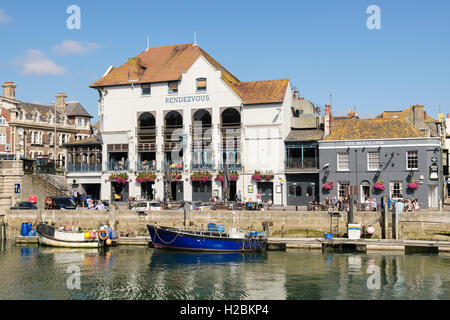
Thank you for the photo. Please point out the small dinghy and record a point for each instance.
(234, 240)
(50, 236)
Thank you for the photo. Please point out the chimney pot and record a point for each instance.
(9, 90)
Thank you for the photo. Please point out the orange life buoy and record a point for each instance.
(103, 235)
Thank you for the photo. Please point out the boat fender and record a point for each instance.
(108, 242)
(92, 235)
(87, 235)
(103, 235)
(370, 230)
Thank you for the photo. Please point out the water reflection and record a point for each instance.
(139, 273)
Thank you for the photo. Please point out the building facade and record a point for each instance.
(29, 130)
(175, 110)
(380, 157)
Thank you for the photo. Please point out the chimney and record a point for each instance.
(61, 101)
(448, 115)
(417, 114)
(9, 90)
(134, 69)
(327, 125)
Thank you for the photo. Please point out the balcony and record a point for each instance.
(118, 165)
(305, 165)
(84, 167)
(174, 166)
(202, 166)
(231, 166)
(146, 166)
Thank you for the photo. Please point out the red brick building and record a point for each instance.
(29, 129)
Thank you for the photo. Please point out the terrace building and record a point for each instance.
(176, 109)
(29, 130)
(392, 152)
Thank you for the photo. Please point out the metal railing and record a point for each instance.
(118, 165)
(145, 166)
(84, 167)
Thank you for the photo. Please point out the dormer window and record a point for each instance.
(50, 118)
(201, 84)
(36, 117)
(146, 89)
(173, 86)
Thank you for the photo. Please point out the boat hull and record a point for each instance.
(178, 239)
(50, 237)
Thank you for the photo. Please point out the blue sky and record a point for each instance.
(322, 46)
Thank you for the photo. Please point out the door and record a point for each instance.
(177, 191)
(300, 193)
(201, 191)
(365, 191)
(266, 190)
(433, 196)
(147, 190)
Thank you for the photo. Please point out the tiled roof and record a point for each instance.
(304, 135)
(76, 109)
(261, 91)
(361, 129)
(167, 63)
(42, 109)
(403, 114)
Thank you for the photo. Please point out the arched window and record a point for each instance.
(203, 117)
(231, 117)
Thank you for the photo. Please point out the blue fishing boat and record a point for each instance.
(234, 240)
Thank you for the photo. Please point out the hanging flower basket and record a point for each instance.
(379, 185)
(328, 185)
(146, 177)
(257, 176)
(177, 176)
(118, 177)
(268, 177)
(201, 176)
(413, 185)
(234, 176)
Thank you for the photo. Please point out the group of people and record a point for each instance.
(82, 201)
(408, 205)
(370, 204)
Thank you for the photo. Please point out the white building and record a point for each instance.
(148, 108)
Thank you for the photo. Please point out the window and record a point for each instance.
(36, 117)
(201, 84)
(50, 118)
(412, 160)
(146, 89)
(2, 138)
(173, 86)
(341, 188)
(373, 161)
(2, 121)
(343, 161)
(80, 122)
(395, 189)
(50, 138)
(86, 123)
(63, 120)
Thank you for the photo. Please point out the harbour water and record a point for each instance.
(141, 273)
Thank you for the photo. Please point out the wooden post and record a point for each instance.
(394, 222)
(384, 220)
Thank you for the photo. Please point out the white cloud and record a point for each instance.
(4, 17)
(68, 47)
(37, 63)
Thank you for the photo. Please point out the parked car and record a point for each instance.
(146, 206)
(25, 206)
(59, 203)
(198, 206)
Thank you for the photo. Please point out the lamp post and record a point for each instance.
(54, 141)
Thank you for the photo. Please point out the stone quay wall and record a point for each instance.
(290, 224)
